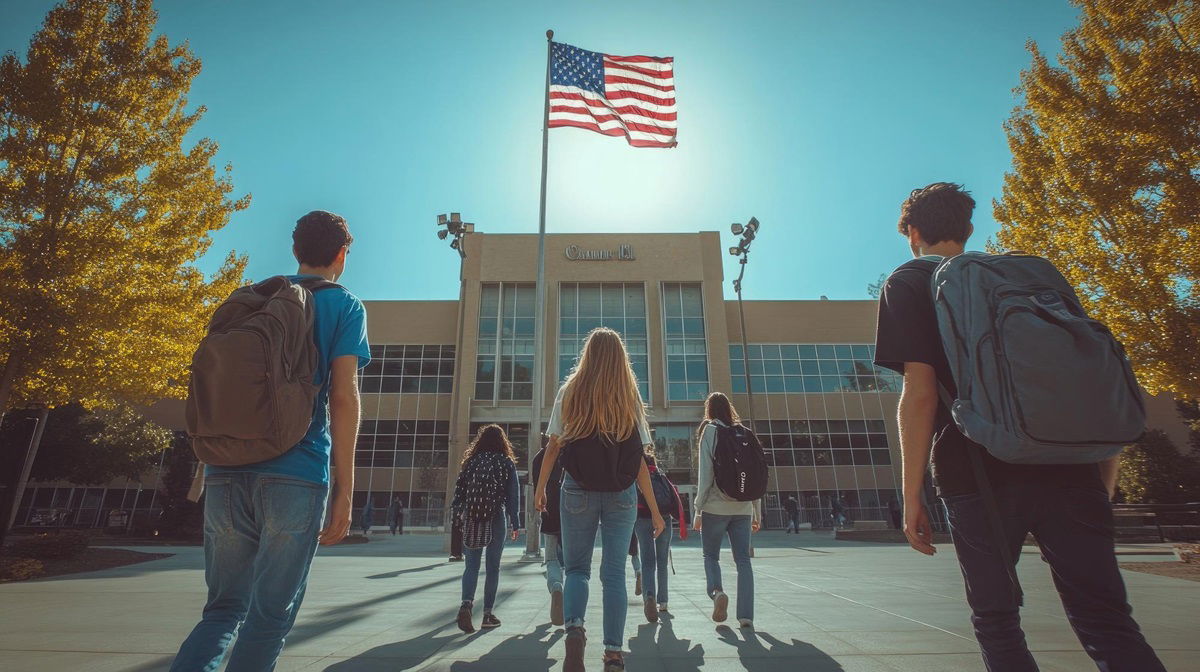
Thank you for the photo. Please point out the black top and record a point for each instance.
(907, 332)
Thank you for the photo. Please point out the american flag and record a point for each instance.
(633, 96)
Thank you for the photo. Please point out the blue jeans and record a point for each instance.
(654, 558)
(491, 582)
(260, 534)
(554, 563)
(1074, 528)
(713, 528)
(582, 513)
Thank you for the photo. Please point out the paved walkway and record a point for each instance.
(822, 606)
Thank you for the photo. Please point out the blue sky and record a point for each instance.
(816, 117)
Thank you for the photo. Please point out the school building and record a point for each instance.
(825, 414)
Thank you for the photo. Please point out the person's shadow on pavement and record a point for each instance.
(407, 654)
(757, 658)
(680, 653)
(527, 652)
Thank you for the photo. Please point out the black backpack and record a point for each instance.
(739, 464)
(601, 464)
(665, 495)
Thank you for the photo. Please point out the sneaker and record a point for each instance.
(556, 608)
(576, 642)
(745, 623)
(490, 621)
(663, 607)
(614, 664)
(454, 558)
(464, 619)
(637, 584)
(651, 610)
(720, 607)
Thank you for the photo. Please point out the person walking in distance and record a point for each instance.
(655, 550)
(792, 506)
(264, 507)
(397, 517)
(551, 535)
(993, 504)
(894, 513)
(599, 425)
(721, 511)
(487, 488)
(838, 510)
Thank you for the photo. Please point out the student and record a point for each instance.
(655, 550)
(486, 488)
(368, 513)
(599, 424)
(838, 511)
(1065, 507)
(718, 515)
(635, 561)
(551, 536)
(263, 520)
(397, 517)
(792, 506)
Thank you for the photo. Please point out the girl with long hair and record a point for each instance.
(719, 515)
(487, 487)
(599, 425)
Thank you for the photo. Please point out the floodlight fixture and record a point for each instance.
(454, 244)
(455, 217)
(753, 225)
(737, 229)
(735, 250)
(441, 220)
(442, 234)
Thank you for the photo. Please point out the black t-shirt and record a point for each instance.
(907, 332)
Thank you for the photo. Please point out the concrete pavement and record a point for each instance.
(822, 605)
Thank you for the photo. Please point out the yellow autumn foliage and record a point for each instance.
(104, 211)
(1105, 180)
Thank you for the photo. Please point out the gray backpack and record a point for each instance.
(252, 395)
(1038, 381)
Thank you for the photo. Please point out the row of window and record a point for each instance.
(804, 368)
(403, 443)
(86, 507)
(409, 369)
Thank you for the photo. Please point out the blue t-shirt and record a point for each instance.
(339, 329)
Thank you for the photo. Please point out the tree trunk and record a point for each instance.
(26, 465)
(8, 379)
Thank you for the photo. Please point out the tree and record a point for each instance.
(181, 517)
(103, 211)
(1153, 471)
(1105, 180)
(91, 448)
(875, 289)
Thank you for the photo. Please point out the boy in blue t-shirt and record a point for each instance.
(262, 522)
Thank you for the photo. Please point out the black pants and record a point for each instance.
(1074, 528)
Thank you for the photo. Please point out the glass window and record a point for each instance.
(405, 369)
(805, 368)
(616, 305)
(685, 342)
(506, 343)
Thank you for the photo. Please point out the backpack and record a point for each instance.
(1039, 382)
(251, 397)
(739, 464)
(600, 464)
(665, 495)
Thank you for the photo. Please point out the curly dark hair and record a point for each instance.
(940, 211)
(490, 439)
(319, 236)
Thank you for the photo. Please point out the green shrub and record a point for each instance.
(19, 569)
(51, 546)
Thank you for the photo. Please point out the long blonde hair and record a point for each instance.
(601, 394)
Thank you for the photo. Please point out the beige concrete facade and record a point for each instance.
(826, 416)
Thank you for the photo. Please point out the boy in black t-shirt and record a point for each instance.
(1065, 507)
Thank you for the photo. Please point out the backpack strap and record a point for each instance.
(995, 520)
(316, 284)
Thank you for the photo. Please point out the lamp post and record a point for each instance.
(742, 250)
(456, 230)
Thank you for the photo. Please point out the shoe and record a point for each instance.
(745, 623)
(663, 607)
(576, 642)
(637, 585)
(556, 608)
(490, 621)
(454, 558)
(651, 610)
(614, 664)
(464, 619)
(720, 607)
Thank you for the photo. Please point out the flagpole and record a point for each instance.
(533, 547)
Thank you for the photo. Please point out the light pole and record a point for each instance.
(748, 233)
(456, 229)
